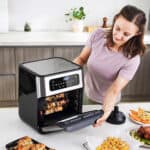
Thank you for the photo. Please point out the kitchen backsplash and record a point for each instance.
(49, 14)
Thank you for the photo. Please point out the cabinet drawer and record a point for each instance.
(139, 88)
(7, 61)
(67, 52)
(24, 54)
(7, 87)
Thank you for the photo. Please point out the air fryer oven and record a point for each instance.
(49, 90)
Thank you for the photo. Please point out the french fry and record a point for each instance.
(134, 117)
(113, 143)
(134, 112)
(140, 115)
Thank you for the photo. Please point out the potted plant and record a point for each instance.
(77, 16)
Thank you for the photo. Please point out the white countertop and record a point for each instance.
(11, 128)
(53, 38)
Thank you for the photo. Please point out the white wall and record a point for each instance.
(49, 14)
(3, 16)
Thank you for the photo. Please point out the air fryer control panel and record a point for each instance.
(64, 82)
(58, 83)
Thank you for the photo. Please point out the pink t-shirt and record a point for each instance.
(104, 66)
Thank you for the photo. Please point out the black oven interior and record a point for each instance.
(60, 106)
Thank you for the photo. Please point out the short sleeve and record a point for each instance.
(97, 33)
(129, 69)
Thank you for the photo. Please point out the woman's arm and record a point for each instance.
(83, 57)
(110, 98)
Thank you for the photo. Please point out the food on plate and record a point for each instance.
(142, 134)
(33, 147)
(26, 143)
(140, 115)
(113, 143)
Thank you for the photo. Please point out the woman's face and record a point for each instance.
(123, 31)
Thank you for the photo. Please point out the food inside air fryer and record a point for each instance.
(113, 143)
(53, 98)
(26, 143)
(142, 134)
(55, 103)
(140, 115)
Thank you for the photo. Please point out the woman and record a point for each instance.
(113, 60)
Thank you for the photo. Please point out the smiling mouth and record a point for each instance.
(117, 40)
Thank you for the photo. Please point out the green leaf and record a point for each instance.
(75, 13)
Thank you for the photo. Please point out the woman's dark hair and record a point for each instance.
(134, 45)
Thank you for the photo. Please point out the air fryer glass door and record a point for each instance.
(61, 106)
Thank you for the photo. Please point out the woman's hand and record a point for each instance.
(101, 120)
(83, 57)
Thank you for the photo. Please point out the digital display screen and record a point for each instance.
(64, 82)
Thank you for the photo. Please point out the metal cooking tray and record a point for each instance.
(11, 145)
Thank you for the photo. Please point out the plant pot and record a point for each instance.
(77, 26)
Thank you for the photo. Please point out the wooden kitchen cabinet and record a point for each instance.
(7, 61)
(7, 90)
(139, 88)
(7, 76)
(67, 52)
(32, 53)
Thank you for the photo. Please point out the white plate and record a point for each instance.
(138, 122)
(92, 142)
(141, 144)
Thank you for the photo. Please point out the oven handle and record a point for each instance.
(50, 129)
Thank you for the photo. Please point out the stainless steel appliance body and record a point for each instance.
(49, 90)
